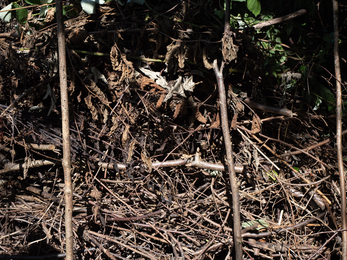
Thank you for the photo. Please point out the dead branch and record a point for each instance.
(66, 132)
(339, 127)
(230, 161)
(280, 19)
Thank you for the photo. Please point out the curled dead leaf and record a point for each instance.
(125, 136)
(256, 124)
(96, 194)
(147, 160)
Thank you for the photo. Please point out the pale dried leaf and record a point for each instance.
(125, 136)
(98, 92)
(105, 115)
(160, 80)
(114, 125)
(26, 164)
(92, 109)
(50, 15)
(256, 124)
(188, 84)
(131, 150)
(96, 194)
(115, 58)
(147, 161)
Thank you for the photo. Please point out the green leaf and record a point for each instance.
(296, 168)
(261, 224)
(326, 94)
(33, 2)
(21, 14)
(69, 11)
(140, 2)
(89, 5)
(273, 175)
(6, 16)
(219, 13)
(254, 6)
(43, 10)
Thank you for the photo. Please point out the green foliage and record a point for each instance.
(254, 6)
(89, 6)
(260, 222)
(33, 2)
(21, 14)
(273, 175)
(69, 11)
(140, 2)
(322, 93)
(268, 39)
(307, 53)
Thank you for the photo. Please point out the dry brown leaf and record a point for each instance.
(114, 125)
(77, 36)
(199, 116)
(125, 135)
(115, 59)
(96, 194)
(145, 81)
(160, 101)
(95, 210)
(207, 64)
(229, 50)
(131, 150)
(171, 50)
(121, 64)
(147, 161)
(91, 107)
(196, 112)
(256, 124)
(97, 91)
(50, 15)
(234, 121)
(216, 123)
(239, 107)
(178, 109)
(181, 56)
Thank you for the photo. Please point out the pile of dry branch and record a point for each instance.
(147, 146)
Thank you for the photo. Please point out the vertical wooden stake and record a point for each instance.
(66, 131)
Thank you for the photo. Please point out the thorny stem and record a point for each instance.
(230, 161)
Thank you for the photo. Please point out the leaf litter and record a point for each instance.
(149, 179)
